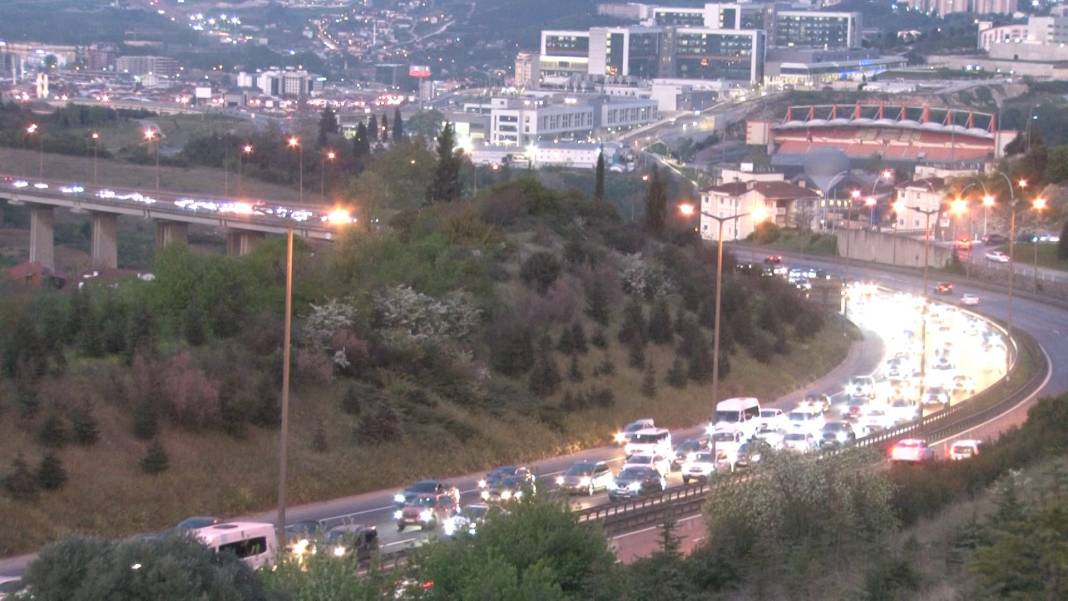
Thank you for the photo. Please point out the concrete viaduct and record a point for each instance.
(245, 222)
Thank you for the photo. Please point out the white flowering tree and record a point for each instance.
(411, 317)
(325, 325)
(641, 275)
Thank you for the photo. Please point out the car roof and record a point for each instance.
(652, 431)
(912, 442)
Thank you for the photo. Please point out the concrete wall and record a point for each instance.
(890, 249)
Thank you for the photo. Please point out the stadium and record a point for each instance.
(894, 134)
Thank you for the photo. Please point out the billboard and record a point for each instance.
(419, 71)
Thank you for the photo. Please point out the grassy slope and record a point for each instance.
(215, 474)
(1047, 255)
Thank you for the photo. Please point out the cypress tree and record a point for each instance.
(155, 460)
(372, 129)
(598, 188)
(140, 332)
(676, 375)
(53, 433)
(649, 382)
(578, 338)
(656, 204)
(445, 185)
(636, 353)
(85, 427)
(660, 330)
(80, 306)
(50, 473)
(544, 377)
(20, 484)
(398, 125)
(597, 302)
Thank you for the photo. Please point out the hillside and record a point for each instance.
(522, 323)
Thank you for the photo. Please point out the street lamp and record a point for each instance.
(95, 137)
(150, 136)
(1038, 204)
(870, 202)
(246, 150)
(926, 298)
(336, 217)
(294, 142)
(33, 130)
(329, 155)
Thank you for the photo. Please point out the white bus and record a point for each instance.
(252, 542)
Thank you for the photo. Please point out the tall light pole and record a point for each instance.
(329, 155)
(246, 150)
(337, 217)
(34, 130)
(871, 201)
(294, 142)
(95, 136)
(988, 201)
(150, 136)
(926, 299)
(1038, 205)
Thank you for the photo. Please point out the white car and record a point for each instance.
(773, 438)
(658, 462)
(911, 450)
(41, 186)
(903, 410)
(725, 443)
(628, 431)
(807, 419)
(997, 256)
(771, 419)
(72, 189)
(861, 386)
(701, 467)
(964, 449)
(970, 300)
(876, 419)
(21, 183)
(800, 441)
(465, 520)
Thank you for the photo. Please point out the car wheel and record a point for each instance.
(400, 526)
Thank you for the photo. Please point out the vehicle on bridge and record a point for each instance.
(636, 482)
(425, 511)
(741, 413)
(685, 450)
(426, 487)
(586, 477)
(911, 450)
(252, 542)
(657, 462)
(700, 468)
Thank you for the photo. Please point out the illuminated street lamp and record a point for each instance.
(337, 217)
(988, 201)
(1038, 204)
(294, 142)
(870, 203)
(33, 130)
(329, 155)
(95, 137)
(152, 135)
(246, 150)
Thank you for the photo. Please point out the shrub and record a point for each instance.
(540, 270)
(649, 382)
(544, 377)
(53, 433)
(50, 473)
(192, 400)
(511, 343)
(578, 338)
(765, 233)
(85, 427)
(574, 373)
(357, 396)
(660, 330)
(155, 460)
(606, 367)
(597, 301)
(598, 339)
(379, 424)
(676, 375)
(636, 353)
(20, 484)
(268, 410)
(566, 345)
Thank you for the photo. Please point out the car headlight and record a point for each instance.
(398, 498)
(559, 480)
(339, 551)
(519, 494)
(612, 485)
(619, 437)
(506, 494)
(449, 528)
(398, 514)
(482, 484)
(634, 486)
(426, 515)
(484, 494)
(584, 481)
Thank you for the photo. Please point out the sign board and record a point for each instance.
(419, 71)
(202, 93)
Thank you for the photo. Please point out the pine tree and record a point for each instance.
(53, 433)
(398, 125)
(378, 424)
(145, 419)
(319, 443)
(544, 377)
(372, 129)
(599, 340)
(598, 188)
(567, 343)
(50, 473)
(634, 326)
(80, 305)
(656, 204)
(327, 125)
(445, 185)
(597, 302)
(679, 325)
(92, 339)
(85, 427)
(700, 364)
(383, 134)
(155, 460)
(660, 324)
(574, 373)
(676, 375)
(636, 353)
(578, 338)
(20, 484)
(606, 367)
(140, 331)
(649, 381)
(193, 324)
(361, 145)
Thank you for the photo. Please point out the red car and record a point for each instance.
(426, 511)
(773, 260)
(944, 288)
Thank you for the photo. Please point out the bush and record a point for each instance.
(606, 367)
(511, 344)
(85, 427)
(319, 443)
(379, 424)
(597, 301)
(636, 353)
(574, 373)
(357, 396)
(660, 331)
(20, 484)
(50, 473)
(544, 377)
(649, 382)
(566, 345)
(155, 460)
(53, 433)
(145, 419)
(599, 340)
(676, 375)
(765, 233)
(578, 338)
(540, 270)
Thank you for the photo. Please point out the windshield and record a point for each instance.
(641, 459)
(648, 438)
(703, 458)
(580, 469)
(769, 413)
(634, 473)
(424, 501)
(800, 416)
(727, 416)
(795, 436)
(723, 437)
(500, 472)
(634, 427)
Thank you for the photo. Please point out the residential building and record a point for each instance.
(923, 194)
(527, 70)
(144, 65)
(669, 16)
(817, 29)
(977, 7)
(777, 200)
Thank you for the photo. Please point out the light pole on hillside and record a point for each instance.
(294, 142)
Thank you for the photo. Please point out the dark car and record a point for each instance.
(636, 482)
(349, 539)
(685, 450)
(750, 453)
(944, 288)
(837, 434)
(511, 488)
(995, 239)
(496, 475)
(425, 511)
(423, 488)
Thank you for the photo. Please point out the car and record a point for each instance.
(74, 189)
(658, 462)
(359, 540)
(969, 300)
(508, 489)
(861, 386)
(725, 444)
(944, 288)
(994, 239)
(21, 183)
(773, 260)
(302, 533)
(624, 435)
(426, 487)
(772, 438)
(685, 450)
(467, 520)
(701, 467)
(997, 256)
(505, 471)
(837, 433)
(771, 419)
(806, 419)
(40, 185)
(903, 410)
(586, 477)
(799, 441)
(750, 453)
(636, 482)
(649, 441)
(911, 450)
(875, 419)
(936, 397)
(964, 384)
(739, 413)
(10, 586)
(819, 402)
(200, 521)
(964, 449)
(425, 511)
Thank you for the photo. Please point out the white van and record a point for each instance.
(806, 419)
(740, 413)
(650, 441)
(252, 542)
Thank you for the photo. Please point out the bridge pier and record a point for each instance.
(104, 245)
(171, 232)
(42, 236)
(241, 242)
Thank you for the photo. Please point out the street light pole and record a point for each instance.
(96, 151)
(152, 136)
(926, 299)
(294, 142)
(329, 155)
(246, 150)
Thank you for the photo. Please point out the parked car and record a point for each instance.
(636, 482)
(964, 449)
(911, 450)
(586, 477)
(425, 511)
(997, 256)
(969, 300)
(701, 467)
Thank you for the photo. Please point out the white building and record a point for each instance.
(756, 201)
(526, 120)
(278, 83)
(564, 54)
(1041, 39)
(924, 194)
(527, 70)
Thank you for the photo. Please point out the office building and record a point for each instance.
(624, 51)
(143, 65)
(564, 54)
(817, 29)
(977, 7)
(526, 120)
(715, 54)
(276, 83)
